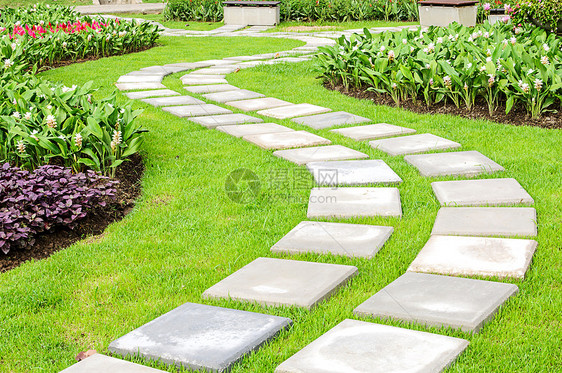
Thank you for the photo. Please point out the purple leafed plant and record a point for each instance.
(36, 201)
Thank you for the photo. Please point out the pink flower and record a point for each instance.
(487, 6)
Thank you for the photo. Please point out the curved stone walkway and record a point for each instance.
(463, 240)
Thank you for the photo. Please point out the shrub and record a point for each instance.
(543, 13)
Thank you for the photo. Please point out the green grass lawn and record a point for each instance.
(189, 25)
(185, 235)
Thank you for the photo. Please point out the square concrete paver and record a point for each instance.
(435, 300)
(373, 131)
(210, 88)
(330, 120)
(362, 172)
(213, 121)
(281, 282)
(253, 129)
(413, 144)
(363, 347)
(200, 337)
(173, 101)
(475, 256)
(320, 153)
(469, 163)
(286, 140)
(140, 79)
(99, 363)
(258, 104)
(196, 110)
(238, 94)
(153, 93)
(203, 79)
(218, 70)
(353, 240)
(353, 202)
(132, 86)
(292, 111)
(481, 192)
(486, 221)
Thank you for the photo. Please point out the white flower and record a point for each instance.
(78, 140)
(18, 23)
(89, 37)
(482, 68)
(391, 55)
(488, 52)
(431, 81)
(465, 87)
(427, 66)
(486, 35)
(394, 85)
(469, 65)
(425, 50)
(33, 135)
(411, 49)
(21, 147)
(524, 86)
(530, 71)
(491, 80)
(470, 39)
(538, 84)
(513, 40)
(116, 140)
(488, 59)
(14, 46)
(8, 63)
(505, 42)
(404, 41)
(16, 115)
(51, 121)
(447, 81)
(546, 47)
(122, 33)
(545, 60)
(14, 101)
(383, 48)
(64, 44)
(518, 30)
(62, 137)
(439, 40)
(41, 22)
(431, 47)
(27, 116)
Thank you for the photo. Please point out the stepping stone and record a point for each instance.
(155, 93)
(199, 74)
(253, 129)
(280, 282)
(330, 120)
(202, 79)
(413, 144)
(224, 120)
(441, 301)
(373, 131)
(244, 58)
(486, 221)
(101, 363)
(173, 101)
(196, 110)
(353, 240)
(200, 337)
(217, 62)
(481, 192)
(320, 153)
(238, 94)
(353, 202)
(475, 256)
(133, 86)
(468, 163)
(188, 65)
(258, 104)
(364, 172)
(286, 140)
(140, 79)
(363, 347)
(211, 88)
(291, 111)
(219, 70)
(146, 73)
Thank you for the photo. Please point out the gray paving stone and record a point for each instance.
(173, 101)
(219, 70)
(188, 65)
(486, 221)
(200, 75)
(281, 282)
(200, 337)
(292, 111)
(362, 172)
(435, 300)
(217, 62)
(132, 86)
(475, 256)
(320, 153)
(353, 202)
(203, 79)
(469, 163)
(214, 121)
(286, 140)
(238, 94)
(146, 73)
(244, 58)
(373, 131)
(196, 110)
(253, 129)
(413, 144)
(140, 79)
(481, 192)
(330, 120)
(154, 93)
(101, 363)
(258, 104)
(353, 240)
(210, 88)
(363, 347)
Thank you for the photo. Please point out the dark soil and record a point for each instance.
(518, 116)
(127, 190)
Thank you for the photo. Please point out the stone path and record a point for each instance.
(464, 240)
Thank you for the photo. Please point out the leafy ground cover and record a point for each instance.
(191, 25)
(184, 234)
(296, 26)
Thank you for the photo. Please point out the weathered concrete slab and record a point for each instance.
(469, 163)
(213, 121)
(413, 144)
(436, 300)
(330, 120)
(353, 240)
(253, 129)
(210, 88)
(198, 74)
(196, 110)
(219, 70)
(101, 363)
(320, 153)
(154, 93)
(133, 86)
(203, 79)
(238, 94)
(173, 101)
(363, 347)
(292, 111)
(373, 131)
(362, 172)
(217, 62)
(486, 221)
(187, 65)
(481, 192)
(200, 337)
(258, 104)
(281, 282)
(286, 140)
(140, 79)
(475, 256)
(354, 202)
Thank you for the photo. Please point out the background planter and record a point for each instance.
(445, 12)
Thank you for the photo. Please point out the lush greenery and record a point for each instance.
(495, 63)
(546, 13)
(298, 26)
